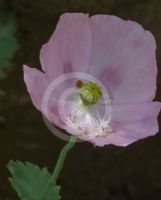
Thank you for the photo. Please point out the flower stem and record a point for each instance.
(62, 156)
(59, 165)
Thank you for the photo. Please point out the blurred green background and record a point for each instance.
(109, 173)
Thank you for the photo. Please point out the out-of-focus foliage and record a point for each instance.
(8, 43)
(31, 182)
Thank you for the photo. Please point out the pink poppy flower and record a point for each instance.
(110, 64)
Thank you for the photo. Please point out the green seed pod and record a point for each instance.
(90, 93)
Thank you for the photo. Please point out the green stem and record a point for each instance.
(59, 165)
(62, 156)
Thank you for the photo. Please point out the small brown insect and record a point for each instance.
(79, 84)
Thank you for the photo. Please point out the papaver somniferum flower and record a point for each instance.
(110, 65)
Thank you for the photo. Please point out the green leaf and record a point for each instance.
(29, 181)
(8, 43)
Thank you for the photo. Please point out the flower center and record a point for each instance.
(84, 113)
(90, 92)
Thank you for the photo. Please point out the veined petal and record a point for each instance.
(131, 123)
(135, 112)
(36, 83)
(69, 47)
(123, 57)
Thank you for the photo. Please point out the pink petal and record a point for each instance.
(131, 123)
(69, 47)
(123, 58)
(36, 83)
